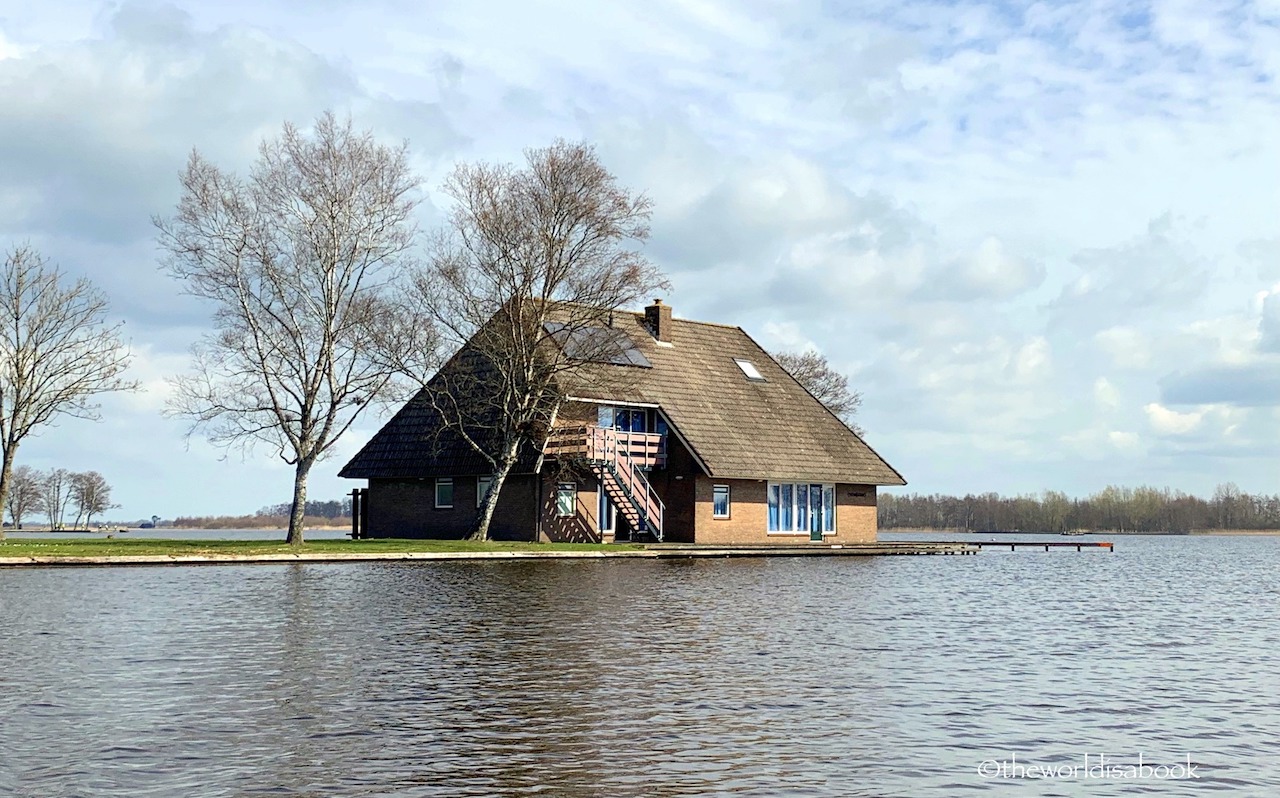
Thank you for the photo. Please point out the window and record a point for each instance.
(749, 369)
(800, 508)
(444, 492)
(482, 488)
(566, 500)
(719, 501)
(623, 419)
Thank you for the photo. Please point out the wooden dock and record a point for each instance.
(878, 548)
(1014, 545)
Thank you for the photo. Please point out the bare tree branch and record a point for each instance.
(57, 352)
(531, 258)
(827, 385)
(91, 496)
(298, 261)
(24, 495)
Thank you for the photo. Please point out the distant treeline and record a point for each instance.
(251, 521)
(1143, 509)
(318, 513)
(336, 508)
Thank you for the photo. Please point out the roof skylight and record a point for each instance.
(749, 369)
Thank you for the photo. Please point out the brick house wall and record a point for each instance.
(405, 508)
(748, 520)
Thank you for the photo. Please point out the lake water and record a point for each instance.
(894, 676)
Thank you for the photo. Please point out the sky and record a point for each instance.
(1042, 239)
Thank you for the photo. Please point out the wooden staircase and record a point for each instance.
(609, 454)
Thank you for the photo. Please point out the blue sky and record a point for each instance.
(1043, 239)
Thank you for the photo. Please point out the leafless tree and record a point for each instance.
(24, 494)
(57, 351)
(91, 495)
(827, 385)
(532, 259)
(297, 260)
(55, 495)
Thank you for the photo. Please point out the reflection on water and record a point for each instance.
(884, 676)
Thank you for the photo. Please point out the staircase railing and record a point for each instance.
(603, 446)
(613, 455)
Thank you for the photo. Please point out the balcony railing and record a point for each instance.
(646, 449)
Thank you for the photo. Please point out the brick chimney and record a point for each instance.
(658, 317)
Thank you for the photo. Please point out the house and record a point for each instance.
(710, 441)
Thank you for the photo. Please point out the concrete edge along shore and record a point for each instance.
(654, 552)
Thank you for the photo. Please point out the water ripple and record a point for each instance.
(876, 677)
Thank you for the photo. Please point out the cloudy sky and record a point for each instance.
(1043, 239)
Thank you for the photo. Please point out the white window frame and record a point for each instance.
(825, 488)
(441, 482)
(728, 499)
(749, 369)
(572, 489)
(482, 487)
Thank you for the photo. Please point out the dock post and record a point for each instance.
(356, 510)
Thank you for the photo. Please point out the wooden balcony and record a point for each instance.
(645, 449)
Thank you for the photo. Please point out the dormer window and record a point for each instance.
(749, 369)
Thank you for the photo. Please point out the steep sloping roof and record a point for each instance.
(737, 427)
(415, 444)
(741, 427)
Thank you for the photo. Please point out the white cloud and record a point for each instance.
(1105, 394)
(1171, 422)
(8, 49)
(1125, 441)
(1126, 347)
(1032, 362)
(1040, 229)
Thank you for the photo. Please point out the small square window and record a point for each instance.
(444, 492)
(482, 488)
(720, 501)
(749, 369)
(566, 500)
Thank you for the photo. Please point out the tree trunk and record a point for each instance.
(6, 478)
(490, 503)
(298, 510)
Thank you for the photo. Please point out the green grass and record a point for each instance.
(98, 547)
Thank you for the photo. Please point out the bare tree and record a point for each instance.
(524, 280)
(57, 351)
(24, 494)
(91, 495)
(827, 385)
(297, 260)
(55, 495)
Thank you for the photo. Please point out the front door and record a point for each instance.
(815, 513)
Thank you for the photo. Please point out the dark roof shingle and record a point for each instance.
(736, 426)
(740, 427)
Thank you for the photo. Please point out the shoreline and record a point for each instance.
(656, 552)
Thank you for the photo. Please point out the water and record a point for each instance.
(852, 676)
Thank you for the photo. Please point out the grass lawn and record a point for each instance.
(98, 547)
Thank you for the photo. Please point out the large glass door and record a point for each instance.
(815, 512)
